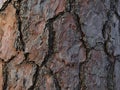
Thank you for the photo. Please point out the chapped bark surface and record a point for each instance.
(59, 44)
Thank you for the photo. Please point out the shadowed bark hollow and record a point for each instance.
(59, 44)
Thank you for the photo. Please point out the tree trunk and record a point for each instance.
(59, 44)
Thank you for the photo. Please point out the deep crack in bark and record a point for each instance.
(5, 5)
(49, 26)
(5, 76)
(19, 43)
(58, 87)
(111, 57)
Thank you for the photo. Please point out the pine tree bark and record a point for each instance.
(59, 44)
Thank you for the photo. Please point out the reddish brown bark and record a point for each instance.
(59, 44)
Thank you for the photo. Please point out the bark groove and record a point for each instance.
(59, 44)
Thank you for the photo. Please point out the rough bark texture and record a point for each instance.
(59, 44)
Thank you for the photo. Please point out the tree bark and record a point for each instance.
(59, 44)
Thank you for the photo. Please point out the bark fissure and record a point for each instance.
(81, 65)
(60, 44)
(107, 36)
(19, 43)
(5, 4)
(51, 38)
(5, 77)
(35, 76)
(58, 87)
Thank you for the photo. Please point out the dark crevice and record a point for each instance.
(78, 24)
(50, 43)
(82, 35)
(81, 85)
(82, 76)
(58, 87)
(70, 5)
(108, 50)
(2, 60)
(5, 5)
(110, 76)
(118, 16)
(116, 13)
(49, 27)
(110, 73)
(26, 55)
(19, 43)
(82, 71)
(35, 78)
(104, 28)
(12, 57)
(5, 77)
(36, 74)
